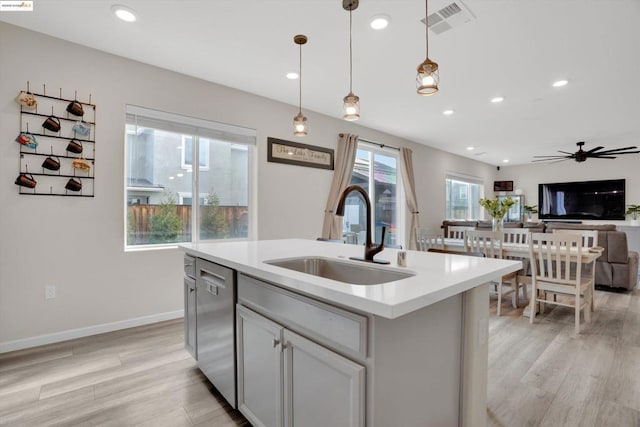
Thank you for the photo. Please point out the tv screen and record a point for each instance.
(601, 200)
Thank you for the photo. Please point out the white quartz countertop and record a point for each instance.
(437, 276)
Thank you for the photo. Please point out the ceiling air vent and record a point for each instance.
(450, 16)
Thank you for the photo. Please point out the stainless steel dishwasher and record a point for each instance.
(215, 312)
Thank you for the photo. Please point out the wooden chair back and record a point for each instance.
(516, 235)
(550, 256)
(487, 242)
(427, 238)
(457, 231)
(589, 237)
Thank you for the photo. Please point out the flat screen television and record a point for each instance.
(600, 200)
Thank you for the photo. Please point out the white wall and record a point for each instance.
(527, 177)
(77, 244)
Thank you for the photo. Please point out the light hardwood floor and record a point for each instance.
(539, 375)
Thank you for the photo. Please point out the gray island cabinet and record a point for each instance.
(311, 351)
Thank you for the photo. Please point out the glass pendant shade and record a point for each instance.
(351, 107)
(300, 127)
(427, 78)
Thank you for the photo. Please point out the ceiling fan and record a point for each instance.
(581, 155)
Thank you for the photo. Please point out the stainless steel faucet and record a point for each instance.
(370, 248)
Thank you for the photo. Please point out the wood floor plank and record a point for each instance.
(578, 399)
(175, 418)
(610, 414)
(623, 386)
(53, 371)
(110, 372)
(33, 356)
(46, 411)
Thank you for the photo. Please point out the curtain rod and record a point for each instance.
(376, 143)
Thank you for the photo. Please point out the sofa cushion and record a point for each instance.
(534, 227)
(617, 247)
(570, 226)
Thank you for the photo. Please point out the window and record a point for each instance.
(162, 185)
(376, 170)
(463, 197)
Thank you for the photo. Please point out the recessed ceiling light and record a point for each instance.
(123, 12)
(292, 75)
(505, 161)
(379, 22)
(471, 148)
(448, 112)
(179, 175)
(171, 177)
(560, 83)
(497, 99)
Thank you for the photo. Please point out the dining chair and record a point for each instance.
(427, 238)
(457, 231)
(490, 244)
(590, 241)
(519, 236)
(551, 257)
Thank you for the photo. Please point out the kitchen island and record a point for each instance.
(315, 351)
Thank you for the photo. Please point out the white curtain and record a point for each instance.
(345, 157)
(409, 181)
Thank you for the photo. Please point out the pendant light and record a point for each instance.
(300, 121)
(428, 77)
(351, 106)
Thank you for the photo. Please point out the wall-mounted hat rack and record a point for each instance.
(64, 131)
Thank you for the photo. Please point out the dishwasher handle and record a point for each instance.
(212, 281)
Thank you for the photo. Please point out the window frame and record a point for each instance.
(373, 149)
(469, 180)
(250, 135)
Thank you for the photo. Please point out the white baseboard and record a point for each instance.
(88, 331)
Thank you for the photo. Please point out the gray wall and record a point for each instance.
(77, 244)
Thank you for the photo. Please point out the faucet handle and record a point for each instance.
(384, 230)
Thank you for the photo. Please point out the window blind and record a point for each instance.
(186, 125)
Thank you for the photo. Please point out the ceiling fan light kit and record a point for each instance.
(581, 155)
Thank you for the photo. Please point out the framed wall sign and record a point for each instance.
(294, 153)
(502, 185)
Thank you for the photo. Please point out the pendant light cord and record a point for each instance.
(350, 54)
(300, 83)
(426, 27)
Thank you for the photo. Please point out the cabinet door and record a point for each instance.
(259, 368)
(190, 316)
(322, 388)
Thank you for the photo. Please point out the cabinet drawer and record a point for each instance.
(189, 266)
(334, 327)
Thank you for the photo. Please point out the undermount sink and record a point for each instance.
(341, 271)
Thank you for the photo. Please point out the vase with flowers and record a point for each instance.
(497, 208)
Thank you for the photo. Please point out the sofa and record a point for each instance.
(617, 267)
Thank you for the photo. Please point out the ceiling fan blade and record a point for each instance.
(601, 157)
(553, 157)
(564, 152)
(556, 159)
(593, 150)
(613, 150)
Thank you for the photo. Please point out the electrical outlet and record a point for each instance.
(49, 292)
